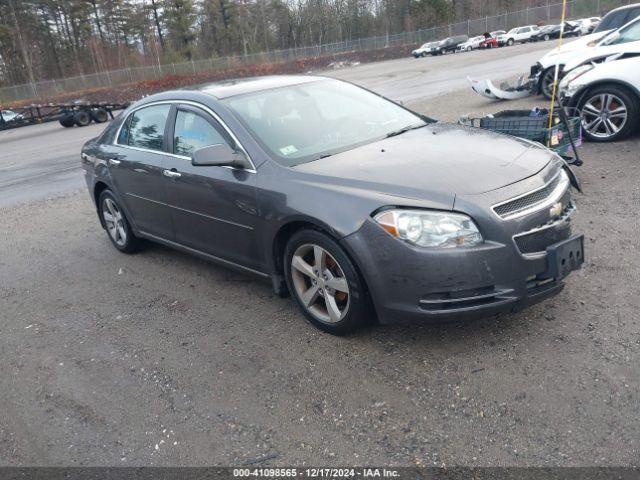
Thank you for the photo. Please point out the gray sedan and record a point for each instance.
(361, 209)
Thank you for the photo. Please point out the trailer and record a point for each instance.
(78, 113)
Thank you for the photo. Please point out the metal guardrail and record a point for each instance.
(533, 15)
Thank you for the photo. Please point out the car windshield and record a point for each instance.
(514, 30)
(617, 18)
(306, 122)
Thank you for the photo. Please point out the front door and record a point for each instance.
(213, 208)
(135, 166)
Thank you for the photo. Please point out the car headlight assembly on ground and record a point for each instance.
(430, 228)
(568, 86)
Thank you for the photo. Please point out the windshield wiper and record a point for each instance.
(405, 129)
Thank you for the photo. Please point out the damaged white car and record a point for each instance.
(600, 43)
(607, 95)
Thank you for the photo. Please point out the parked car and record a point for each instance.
(545, 33)
(588, 25)
(553, 31)
(424, 50)
(355, 205)
(491, 39)
(518, 34)
(471, 44)
(542, 73)
(607, 95)
(449, 44)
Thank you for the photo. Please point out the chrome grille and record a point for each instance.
(537, 240)
(526, 201)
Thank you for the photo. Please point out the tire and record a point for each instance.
(67, 122)
(328, 308)
(469, 49)
(609, 98)
(423, 54)
(546, 38)
(82, 118)
(510, 42)
(546, 81)
(99, 115)
(111, 213)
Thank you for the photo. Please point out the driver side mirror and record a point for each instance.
(612, 37)
(220, 155)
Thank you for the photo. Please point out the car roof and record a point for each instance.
(240, 86)
(624, 7)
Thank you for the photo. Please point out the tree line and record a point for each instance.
(44, 39)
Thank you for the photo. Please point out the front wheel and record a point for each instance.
(510, 42)
(546, 38)
(116, 224)
(609, 113)
(325, 283)
(546, 81)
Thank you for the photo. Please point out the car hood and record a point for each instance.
(439, 158)
(600, 53)
(568, 50)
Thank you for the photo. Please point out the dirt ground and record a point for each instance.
(162, 359)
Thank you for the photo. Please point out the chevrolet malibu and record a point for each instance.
(356, 206)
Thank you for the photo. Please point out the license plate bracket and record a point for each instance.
(565, 257)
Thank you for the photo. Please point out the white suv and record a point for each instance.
(518, 34)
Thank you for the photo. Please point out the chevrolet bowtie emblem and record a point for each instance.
(556, 210)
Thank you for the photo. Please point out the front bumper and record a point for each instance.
(410, 283)
(534, 78)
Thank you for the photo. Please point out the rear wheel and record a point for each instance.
(82, 118)
(99, 115)
(116, 223)
(609, 113)
(325, 283)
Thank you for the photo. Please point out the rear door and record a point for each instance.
(135, 165)
(213, 208)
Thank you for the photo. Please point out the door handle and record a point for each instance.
(114, 162)
(171, 173)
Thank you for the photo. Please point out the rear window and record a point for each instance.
(146, 127)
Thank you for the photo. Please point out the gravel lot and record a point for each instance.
(159, 358)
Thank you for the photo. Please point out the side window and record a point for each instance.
(146, 129)
(629, 34)
(193, 132)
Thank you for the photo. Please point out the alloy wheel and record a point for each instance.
(114, 222)
(320, 283)
(604, 115)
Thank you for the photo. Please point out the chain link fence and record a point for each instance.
(114, 78)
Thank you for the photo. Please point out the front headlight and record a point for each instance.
(568, 86)
(430, 228)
